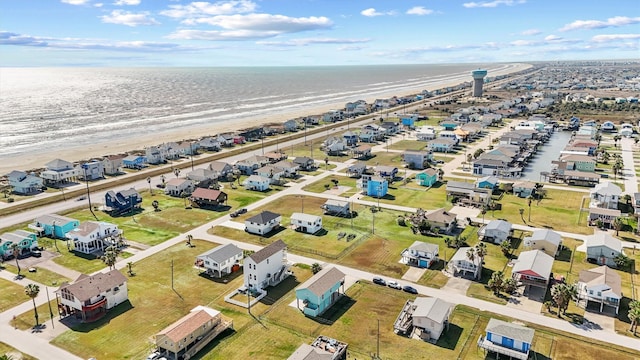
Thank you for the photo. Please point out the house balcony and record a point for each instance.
(95, 305)
(489, 346)
(539, 282)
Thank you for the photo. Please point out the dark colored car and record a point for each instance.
(242, 211)
(379, 281)
(410, 289)
(234, 214)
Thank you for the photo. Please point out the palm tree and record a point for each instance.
(617, 166)
(32, 291)
(548, 304)
(562, 294)
(505, 246)
(634, 315)
(529, 200)
(156, 205)
(130, 270)
(622, 261)
(316, 268)
(509, 286)
(618, 225)
(481, 251)
(15, 249)
(110, 256)
(496, 282)
(149, 181)
(6, 357)
(471, 254)
(521, 211)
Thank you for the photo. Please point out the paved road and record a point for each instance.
(629, 169)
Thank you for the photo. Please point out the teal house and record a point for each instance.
(322, 290)
(377, 187)
(427, 177)
(54, 225)
(487, 182)
(26, 241)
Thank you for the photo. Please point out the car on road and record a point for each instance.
(379, 281)
(410, 289)
(242, 211)
(234, 214)
(394, 284)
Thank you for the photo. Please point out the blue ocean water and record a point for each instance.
(56, 108)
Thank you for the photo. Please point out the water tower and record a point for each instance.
(478, 81)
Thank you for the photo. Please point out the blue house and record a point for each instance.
(26, 241)
(408, 121)
(134, 161)
(388, 172)
(507, 338)
(124, 200)
(487, 182)
(427, 177)
(449, 124)
(350, 138)
(54, 225)
(377, 187)
(321, 291)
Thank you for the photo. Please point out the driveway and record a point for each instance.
(598, 320)
(463, 212)
(457, 285)
(531, 302)
(413, 274)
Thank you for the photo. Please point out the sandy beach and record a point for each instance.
(37, 160)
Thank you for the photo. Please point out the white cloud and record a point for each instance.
(598, 24)
(615, 37)
(128, 18)
(530, 32)
(266, 23)
(127, 2)
(199, 9)
(217, 35)
(371, 12)
(523, 43)
(419, 10)
(312, 41)
(552, 38)
(75, 2)
(98, 5)
(492, 4)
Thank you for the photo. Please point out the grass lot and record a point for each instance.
(558, 210)
(415, 196)
(42, 275)
(319, 186)
(8, 350)
(408, 145)
(11, 295)
(385, 158)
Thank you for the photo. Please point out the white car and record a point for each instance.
(153, 356)
(394, 284)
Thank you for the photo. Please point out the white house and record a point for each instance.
(262, 223)
(496, 231)
(92, 236)
(431, 317)
(420, 254)
(271, 172)
(221, 260)
(89, 297)
(257, 183)
(603, 248)
(533, 268)
(176, 187)
(601, 285)
(266, 267)
(23, 183)
(605, 195)
(460, 263)
(546, 240)
(306, 223)
(59, 171)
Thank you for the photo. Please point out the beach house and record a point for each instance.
(24, 184)
(274, 174)
(524, 189)
(467, 193)
(257, 183)
(112, 164)
(179, 187)
(92, 170)
(362, 152)
(350, 138)
(90, 297)
(58, 172)
(357, 169)
(322, 290)
(461, 264)
(417, 159)
(53, 225)
(121, 201)
(134, 162)
(441, 220)
(545, 240)
(289, 167)
(427, 178)
(374, 186)
(190, 334)
(605, 195)
(445, 145)
(322, 348)
(306, 223)
(602, 286)
(262, 223)
(429, 317)
(221, 260)
(420, 254)
(94, 236)
(512, 340)
(266, 267)
(336, 207)
(487, 182)
(533, 269)
(496, 231)
(603, 248)
(249, 165)
(305, 163)
(603, 217)
(202, 176)
(206, 198)
(27, 242)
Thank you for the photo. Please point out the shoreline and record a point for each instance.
(37, 160)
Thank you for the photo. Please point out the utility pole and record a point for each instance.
(86, 179)
(378, 345)
(249, 296)
(50, 311)
(191, 152)
(172, 288)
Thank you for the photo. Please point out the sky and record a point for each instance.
(313, 32)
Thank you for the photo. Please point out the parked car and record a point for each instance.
(153, 356)
(379, 281)
(234, 214)
(242, 211)
(36, 253)
(394, 284)
(410, 289)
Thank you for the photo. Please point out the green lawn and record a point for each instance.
(42, 275)
(8, 350)
(11, 295)
(320, 185)
(408, 145)
(386, 158)
(414, 195)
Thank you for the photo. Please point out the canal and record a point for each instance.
(545, 155)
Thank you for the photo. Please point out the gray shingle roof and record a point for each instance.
(321, 282)
(510, 330)
(86, 287)
(222, 253)
(264, 253)
(263, 218)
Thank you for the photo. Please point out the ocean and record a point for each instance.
(51, 109)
